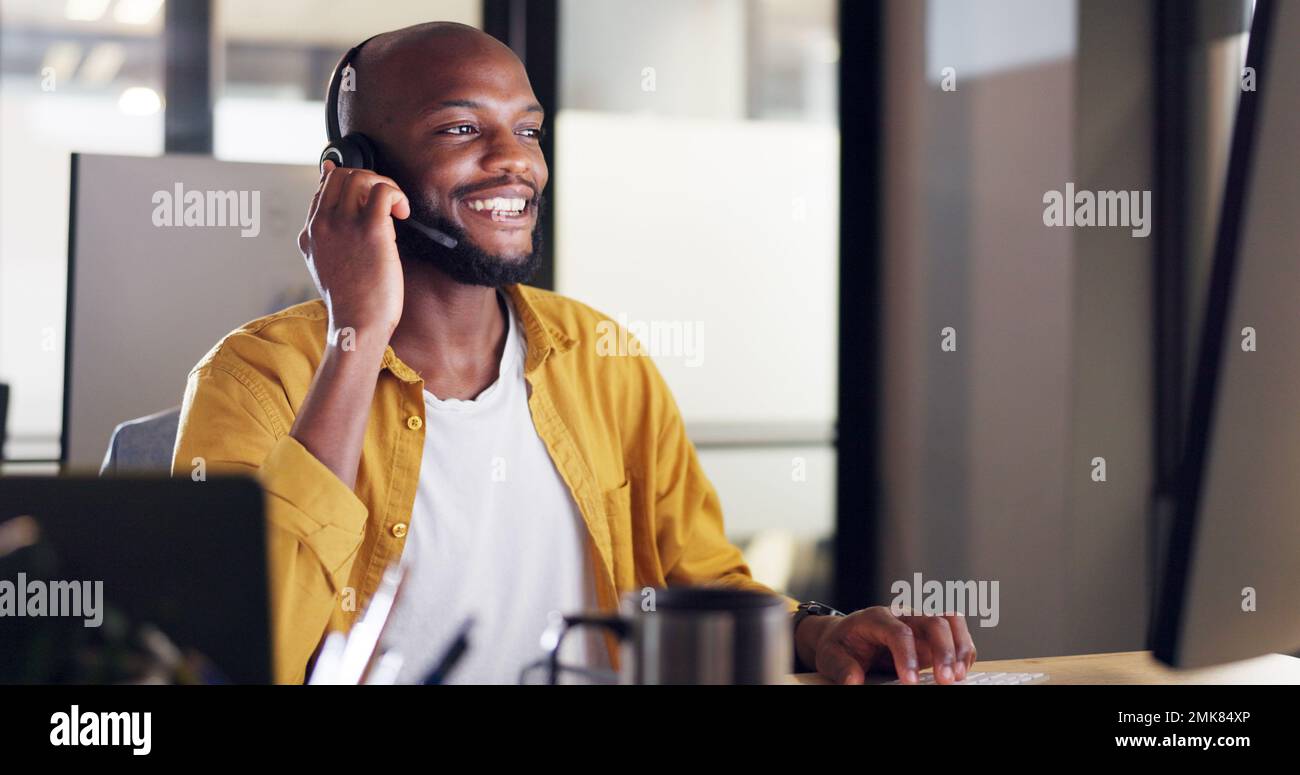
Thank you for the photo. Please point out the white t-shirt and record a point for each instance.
(494, 535)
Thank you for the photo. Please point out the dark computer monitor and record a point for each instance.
(1231, 584)
(181, 558)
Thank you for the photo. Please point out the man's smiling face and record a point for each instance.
(458, 128)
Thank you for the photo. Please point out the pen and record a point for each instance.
(452, 656)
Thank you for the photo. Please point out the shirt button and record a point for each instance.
(399, 530)
(414, 422)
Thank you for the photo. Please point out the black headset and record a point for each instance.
(355, 150)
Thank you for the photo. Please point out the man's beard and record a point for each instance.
(466, 263)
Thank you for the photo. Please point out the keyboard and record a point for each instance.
(986, 679)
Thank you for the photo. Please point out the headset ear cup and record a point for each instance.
(362, 150)
(354, 150)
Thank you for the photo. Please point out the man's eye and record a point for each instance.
(460, 129)
(535, 133)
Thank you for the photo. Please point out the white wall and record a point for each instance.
(675, 219)
(37, 132)
(696, 48)
(729, 227)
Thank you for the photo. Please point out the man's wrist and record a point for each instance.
(807, 637)
(809, 630)
(361, 347)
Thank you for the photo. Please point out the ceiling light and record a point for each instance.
(136, 11)
(85, 10)
(139, 101)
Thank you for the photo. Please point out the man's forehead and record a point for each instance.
(406, 74)
(430, 77)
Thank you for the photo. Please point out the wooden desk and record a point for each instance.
(1129, 667)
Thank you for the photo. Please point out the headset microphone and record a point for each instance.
(355, 150)
(442, 238)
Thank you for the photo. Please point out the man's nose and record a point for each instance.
(506, 154)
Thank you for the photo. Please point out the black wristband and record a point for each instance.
(810, 608)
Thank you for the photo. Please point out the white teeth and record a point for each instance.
(499, 204)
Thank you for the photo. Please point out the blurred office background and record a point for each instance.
(791, 180)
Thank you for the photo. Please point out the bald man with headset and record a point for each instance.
(432, 410)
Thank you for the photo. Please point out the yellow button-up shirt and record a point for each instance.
(609, 422)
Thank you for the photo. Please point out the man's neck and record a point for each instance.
(452, 334)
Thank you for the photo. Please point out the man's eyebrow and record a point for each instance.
(473, 105)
